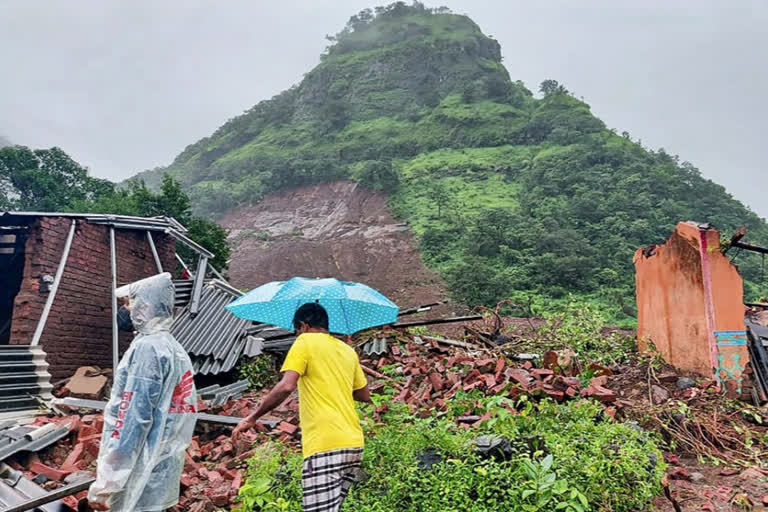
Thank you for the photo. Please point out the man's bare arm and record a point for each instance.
(362, 394)
(276, 396)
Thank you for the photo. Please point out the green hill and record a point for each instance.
(509, 194)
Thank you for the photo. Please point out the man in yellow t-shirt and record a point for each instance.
(329, 379)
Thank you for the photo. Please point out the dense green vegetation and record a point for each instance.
(48, 180)
(509, 194)
(565, 457)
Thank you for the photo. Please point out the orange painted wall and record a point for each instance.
(684, 299)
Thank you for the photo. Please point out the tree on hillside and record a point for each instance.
(45, 180)
(49, 180)
(550, 87)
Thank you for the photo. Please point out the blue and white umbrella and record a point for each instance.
(351, 307)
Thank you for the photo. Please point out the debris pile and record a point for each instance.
(434, 372)
(428, 374)
(691, 415)
(213, 470)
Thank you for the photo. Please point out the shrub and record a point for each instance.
(581, 461)
(259, 371)
(581, 327)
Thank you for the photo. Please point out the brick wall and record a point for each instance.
(79, 328)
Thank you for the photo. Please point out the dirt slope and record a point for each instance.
(334, 230)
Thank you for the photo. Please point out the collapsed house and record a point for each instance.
(58, 311)
(691, 309)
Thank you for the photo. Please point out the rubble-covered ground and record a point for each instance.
(590, 427)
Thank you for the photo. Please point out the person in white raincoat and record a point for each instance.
(150, 417)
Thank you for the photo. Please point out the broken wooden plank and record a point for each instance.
(453, 343)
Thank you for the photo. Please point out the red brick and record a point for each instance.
(225, 448)
(601, 370)
(500, 363)
(74, 456)
(287, 428)
(572, 381)
(206, 449)
(541, 373)
(498, 389)
(237, 481)
(437, 381)
(86, 431)
(220, 498)
(486, 365)
(603, 394)
(194, 449)
(469, 387)
(50, 473)
(519, 375)
(186, 481)
(453, 390)
(92, 447)
(70, 501)
(678, 473)
(472, 376)
(557, 395)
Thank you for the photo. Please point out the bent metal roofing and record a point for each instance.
(214, 338)
(139, 222)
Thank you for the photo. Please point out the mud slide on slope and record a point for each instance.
(337, 230)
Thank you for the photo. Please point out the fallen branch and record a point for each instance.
(378, 375)
(482, 337)
(453, 343)
(668, 494)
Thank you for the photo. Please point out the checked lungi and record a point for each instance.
(327, 477)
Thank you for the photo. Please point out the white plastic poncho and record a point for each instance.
(150, 417)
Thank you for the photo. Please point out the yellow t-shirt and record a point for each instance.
(329, 371)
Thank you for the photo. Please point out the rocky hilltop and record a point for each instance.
(508, 194)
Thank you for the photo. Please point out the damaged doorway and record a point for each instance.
(12, 242)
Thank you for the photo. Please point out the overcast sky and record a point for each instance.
(125, 86)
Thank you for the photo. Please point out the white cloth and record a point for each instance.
(150, 417)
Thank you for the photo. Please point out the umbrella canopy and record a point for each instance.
(351, 307)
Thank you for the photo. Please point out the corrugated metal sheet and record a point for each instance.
(273, 339)
(214, 338)
(217, 395)
(376, 346)
(253, 346)
(24, 377)
(136, 222)
(15, 439)
(15, 489)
